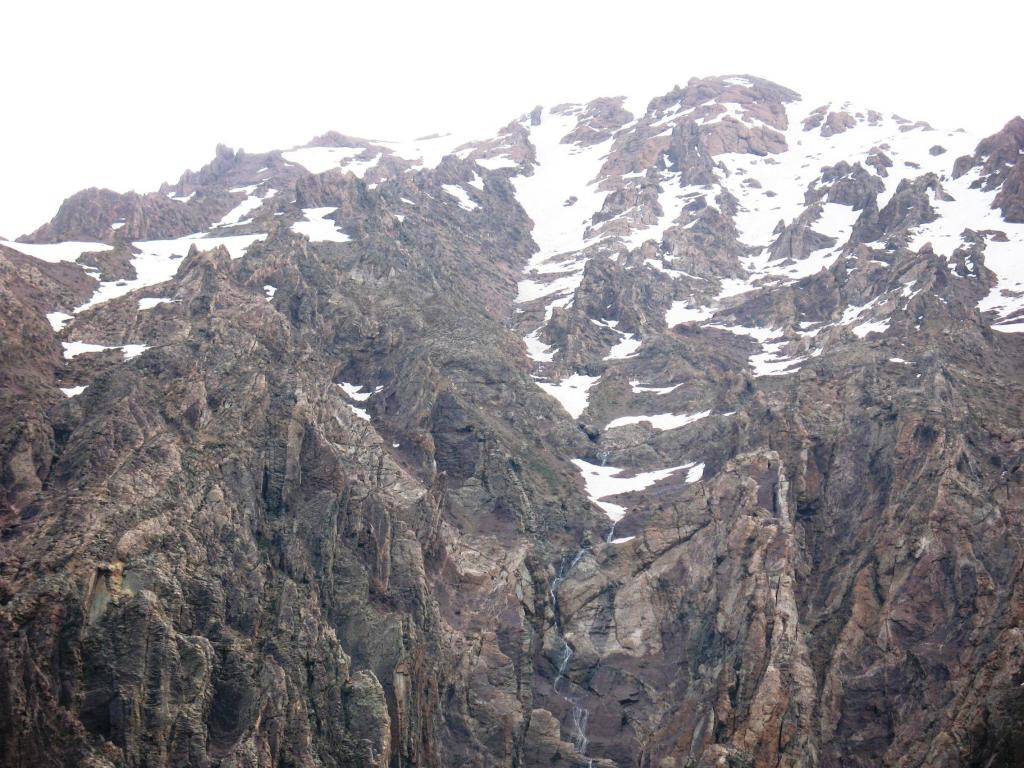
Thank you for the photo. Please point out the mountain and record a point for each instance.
(665, 434)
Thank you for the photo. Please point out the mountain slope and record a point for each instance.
(664, 434)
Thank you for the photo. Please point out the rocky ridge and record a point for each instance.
(678, 433)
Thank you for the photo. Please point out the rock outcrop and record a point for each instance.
(689, 437)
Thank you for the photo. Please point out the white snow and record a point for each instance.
(571, 392)
(625, 348)
(362, 414)
(150, 303)
(72, 391)
(972, 208)
(537, 350)
(58, 320)
(73, 349)
(874, 326)
(269, 290)
(529, 290)
(496, 163)
(604, 482)
(461, 196)
(54, 252)
(672, 200)
(133, 350)
(695, 473)
(771, 361)
(659, 264)
(683, 312)
(549, 310)
(1008, 327)
(160, 259)
(251, 202)
(638, 388)
(836, 221)
(760, 334)
(660, 422)
(783, 271)
(730, 286)
(116, 225)
(852, 313)
(322, 159)
(358, 168)
(355, 391)
(428, 151)
(318, 228)
(562, 171)
(789, 173)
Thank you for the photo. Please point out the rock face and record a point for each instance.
(679, 434)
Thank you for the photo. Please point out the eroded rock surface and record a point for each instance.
(664, 433)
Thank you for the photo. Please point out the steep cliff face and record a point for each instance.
(681, 433)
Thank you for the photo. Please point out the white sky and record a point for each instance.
(129, 94)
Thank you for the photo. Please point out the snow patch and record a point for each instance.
(625, 348)
(73, 349)
(55, 252)
(972, 209)
(465, 202)
(639, 388)
(572, 392)
(683, 312)
(660, 422)
(562, 172)
(160, 259)
(361, 413)
(496, 163)
(58, 320)
(537, 350)
(251, 202)
(874, 326)
(149, 303)
(318, 228)
(322, 159)
(355, 391)
(605, 482)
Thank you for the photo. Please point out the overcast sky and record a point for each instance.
(129, 94)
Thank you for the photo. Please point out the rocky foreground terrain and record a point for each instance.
(673, 433)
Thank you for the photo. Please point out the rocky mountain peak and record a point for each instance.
(677, 432)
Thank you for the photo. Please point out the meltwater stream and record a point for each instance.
(579, 712)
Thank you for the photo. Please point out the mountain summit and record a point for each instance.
(665, 434)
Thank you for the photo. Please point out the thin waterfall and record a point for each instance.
(579, 713)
